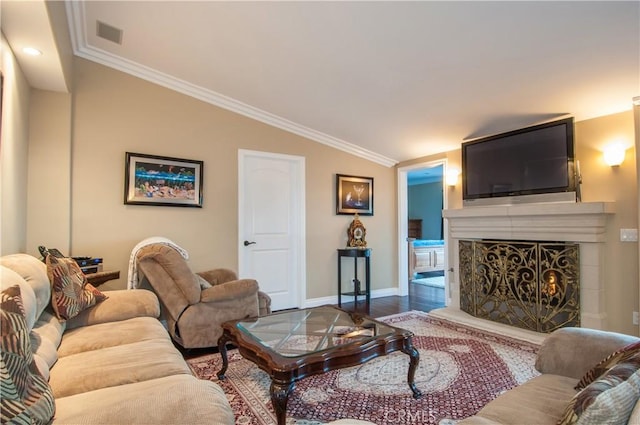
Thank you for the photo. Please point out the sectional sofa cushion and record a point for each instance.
(32, 277)
(70, 291)
(9, 278)
(26, 395)
(122, 304)
(45, 339)
(541, 400)
(117, 365)
(104, 335)
(177, 399)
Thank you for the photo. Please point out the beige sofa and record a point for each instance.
(564, 358)
(114, 363)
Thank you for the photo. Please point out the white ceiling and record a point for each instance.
(27, 24)
(390, 81)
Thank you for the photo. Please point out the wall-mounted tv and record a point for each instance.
(533, 164)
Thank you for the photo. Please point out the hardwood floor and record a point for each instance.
(421, 297)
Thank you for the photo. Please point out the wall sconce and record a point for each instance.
(613, 154)
(452, 176)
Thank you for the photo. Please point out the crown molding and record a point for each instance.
(77, 29)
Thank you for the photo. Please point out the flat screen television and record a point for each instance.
(533, 164)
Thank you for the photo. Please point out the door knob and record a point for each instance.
(247, 243)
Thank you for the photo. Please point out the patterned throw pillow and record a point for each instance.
(26, 396)
(70, 291)
(608, 400)
(605, 364)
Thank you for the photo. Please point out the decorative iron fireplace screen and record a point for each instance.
(531, 285)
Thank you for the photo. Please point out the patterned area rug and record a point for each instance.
(461, 369)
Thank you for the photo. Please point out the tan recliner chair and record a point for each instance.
(195, 305)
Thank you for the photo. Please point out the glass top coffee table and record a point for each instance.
(297, 343)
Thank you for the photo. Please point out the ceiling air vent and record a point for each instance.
(109, 33)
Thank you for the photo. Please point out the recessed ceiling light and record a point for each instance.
(32, 51)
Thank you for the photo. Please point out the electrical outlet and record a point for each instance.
(635, 317)
(628, 235)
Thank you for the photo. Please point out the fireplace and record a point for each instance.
(583, 225)
(531, 285)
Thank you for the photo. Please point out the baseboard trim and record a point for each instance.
(333, 299)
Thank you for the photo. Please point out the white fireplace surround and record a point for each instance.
(583, 223)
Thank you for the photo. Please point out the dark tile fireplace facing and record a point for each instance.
(530, 285)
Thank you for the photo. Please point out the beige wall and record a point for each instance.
(49, 176)
(600, 183)
(13, 154)
(114, 113)
(618, 184)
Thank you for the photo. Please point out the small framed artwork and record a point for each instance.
(354, 195)
(162, 181)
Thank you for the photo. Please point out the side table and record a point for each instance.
(356, 253)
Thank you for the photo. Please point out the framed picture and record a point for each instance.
(163, 181)
(354, 195)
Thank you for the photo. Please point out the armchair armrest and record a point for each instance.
(572, 352)
(229, 291)
(218, 276)
(121, 305)
(264, 304)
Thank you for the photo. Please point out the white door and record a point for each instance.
(271, 225)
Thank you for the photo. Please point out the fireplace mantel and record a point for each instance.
(584, 223)
(575, 222)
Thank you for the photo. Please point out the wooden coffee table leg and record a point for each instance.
(222, 349)
(414, 359)
(279, 395)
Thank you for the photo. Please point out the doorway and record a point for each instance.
(422, 233)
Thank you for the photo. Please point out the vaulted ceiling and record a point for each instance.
(386, 80)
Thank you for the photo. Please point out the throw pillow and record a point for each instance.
(608, 400)
(71, 293)
(605, 364)
(26, 396)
